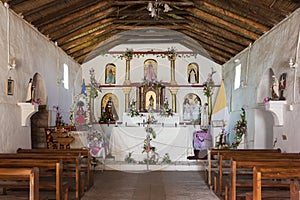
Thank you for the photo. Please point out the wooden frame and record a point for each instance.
(10, 86)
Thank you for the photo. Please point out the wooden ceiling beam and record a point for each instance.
(83, 31)
(222, 11)
(223, 24)
(71, 18)
(150, 21)
(254, 13)
(178, 3)
(66, 15)
(211, 31)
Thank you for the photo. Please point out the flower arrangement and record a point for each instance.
(132, 109)
(209, 85)
(95, 141)
(240, 129)
(166, 111)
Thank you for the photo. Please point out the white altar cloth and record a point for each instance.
(176, 141)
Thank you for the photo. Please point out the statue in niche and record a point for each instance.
(30, 92)
(282, 86)
(274, 88)
(110, 77)
(110, 111)
(196, 110)
(151, 103)
(187, 112)
(192, 77)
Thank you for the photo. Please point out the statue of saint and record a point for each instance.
(192, 77)
(275, 88)
(30, 92)
(110, 79)
(150, 75)
(187, 110)
(110, 111)
(151, 103)
(80, 113)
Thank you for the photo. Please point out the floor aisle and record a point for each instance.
(159, 185)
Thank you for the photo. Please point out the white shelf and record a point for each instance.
(27, 110)
(277, 110)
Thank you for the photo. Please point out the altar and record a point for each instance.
(174, 141)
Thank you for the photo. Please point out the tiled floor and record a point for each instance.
(159, 185)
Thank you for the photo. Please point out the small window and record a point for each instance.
(66, 76)
(237, 78)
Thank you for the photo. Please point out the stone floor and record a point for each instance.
(157, 185)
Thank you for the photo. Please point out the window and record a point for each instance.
(66, 76)
(237, 78)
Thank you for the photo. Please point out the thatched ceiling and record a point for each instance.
(222, 27)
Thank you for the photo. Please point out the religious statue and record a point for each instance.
(151, 103)
(275, 88)
(110, 79)
(196, 110)
(204, 117)
(109, 110)
(282, 85)
(80, 117)
(192, 77)
(30, 92)
(150, 75)
(187, 115)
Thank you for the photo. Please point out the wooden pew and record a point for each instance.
(85, 154)
(228, 152)
(44, 166)
(287, 172)
(67, 159)
(215, 152)
(247, 165)
(21, 174)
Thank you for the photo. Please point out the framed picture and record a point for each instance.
(10, 86)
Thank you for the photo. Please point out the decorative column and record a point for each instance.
(174, 91)
(128, 57)
(172, 58)
(126, 91)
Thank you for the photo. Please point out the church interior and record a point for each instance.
(149, 86)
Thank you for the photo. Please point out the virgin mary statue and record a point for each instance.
(150, 75)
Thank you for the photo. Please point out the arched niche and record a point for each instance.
(193, 73)
(109, 107)
(39, 89)
(110, 74)
(191, 107)
(264, 87)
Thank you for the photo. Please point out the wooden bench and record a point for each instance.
(216, 152)
(21, 174)
(45, 167)
(69, 162)
(242, 167)
(85, 162)
(288, 173)
(224, 163)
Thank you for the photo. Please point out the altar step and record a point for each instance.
(195, 165)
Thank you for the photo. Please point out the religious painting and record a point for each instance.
(193, 73)
(109, 108)
(150, 70)
(110, 74)
(79, 114)
(151, 100)
(10, 87)
(191, 108)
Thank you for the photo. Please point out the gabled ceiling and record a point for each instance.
(222, 27)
